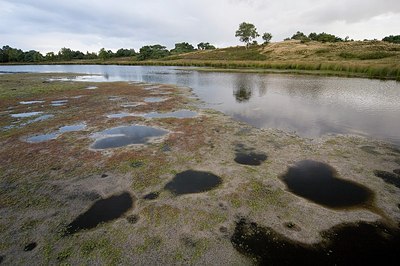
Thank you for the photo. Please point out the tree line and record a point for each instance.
(246, 32)
(15, 55)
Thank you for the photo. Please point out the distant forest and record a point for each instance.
(157, 51)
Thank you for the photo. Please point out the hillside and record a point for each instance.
(375, 59)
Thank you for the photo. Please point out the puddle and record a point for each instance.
(54, 135)
(91, 88)
(78, 96)
(115, 98)
(126, 135)
(347, 244)
(248, 156)
(30, 102)
(30, 246)
(42, 138)
(318, 182)
(388, 177)
(131, 105)
(71, 128)
(59, 103)
(155, 99)
(28, 114)
(151, 196)
(104, 210)
(175, 114)
(161, 93)
(193, 182)
(119, 115)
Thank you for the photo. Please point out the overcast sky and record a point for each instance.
(88, 25)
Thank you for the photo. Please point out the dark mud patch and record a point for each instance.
(396, 171)
(248, 156)
(190, 181)
(30, 246)
(347, 244)
(151, 196)
(133, 219)
(388, 177)
(123, 136)
(397, 161)
(104, 210)
(318, 182)
(1, 259)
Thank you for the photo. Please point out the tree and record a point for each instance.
(103, 54)
(125, 52)
(267, 37)
(392, 39)
(182, 47)
(205, 46)
(246, 33)
(300, 36)
(152, 52)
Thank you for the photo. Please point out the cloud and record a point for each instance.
(90, 25)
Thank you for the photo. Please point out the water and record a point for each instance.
(319, 183)
(30, 102)
(347, 244)
(176, 114)
(30, 246)
(42, 138)
(190, 181)
(126, 135)
(248, 156)
(154, 99)
(102, 211)
(24, 115)
(151, 196)
(71, 128)
(311, 106)
(119, 115)
(59, 103)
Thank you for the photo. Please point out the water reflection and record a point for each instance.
(309, 105)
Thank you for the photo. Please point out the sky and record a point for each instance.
(89, 25)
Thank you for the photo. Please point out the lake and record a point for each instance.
(310, 106)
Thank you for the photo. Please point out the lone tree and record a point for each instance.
(246, 33)
(267, 37)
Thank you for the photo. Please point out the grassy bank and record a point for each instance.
(369, 59)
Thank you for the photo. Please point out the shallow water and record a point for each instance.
(311, 106)
(71, 128)
(104, 210)
(318, 182)
(119, 115)
(28, 114)
(42, 138)
(126, 135)
(30, 102)
(348, 244)
(154, 99)
(190, 181)
(175, 114)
